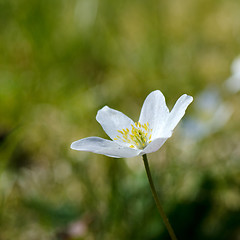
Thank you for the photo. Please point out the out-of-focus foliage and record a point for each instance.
(60, 62)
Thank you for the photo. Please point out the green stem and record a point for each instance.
(157, 201)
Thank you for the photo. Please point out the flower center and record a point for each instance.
(139, 136)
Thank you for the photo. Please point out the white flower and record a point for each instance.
(212, 113)
(233, 82)
(129, 139)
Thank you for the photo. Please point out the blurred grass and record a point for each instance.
(60, 62)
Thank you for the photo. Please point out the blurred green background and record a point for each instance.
(60, 62)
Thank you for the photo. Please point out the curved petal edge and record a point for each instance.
(104, 147)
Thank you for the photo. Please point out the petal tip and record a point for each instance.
(100, 111)
(190, 98)
(186, 98)
(72, 145)
(157, 92)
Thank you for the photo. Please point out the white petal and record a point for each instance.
(153, 146)
(105, 147)
(177, 112)
(233, 83)
(236, 66)
(112, 120)
(155, 112)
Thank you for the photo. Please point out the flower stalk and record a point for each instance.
(157, 201)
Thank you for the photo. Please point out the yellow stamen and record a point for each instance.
(139, 136)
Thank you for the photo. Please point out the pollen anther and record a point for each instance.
(139, 136)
